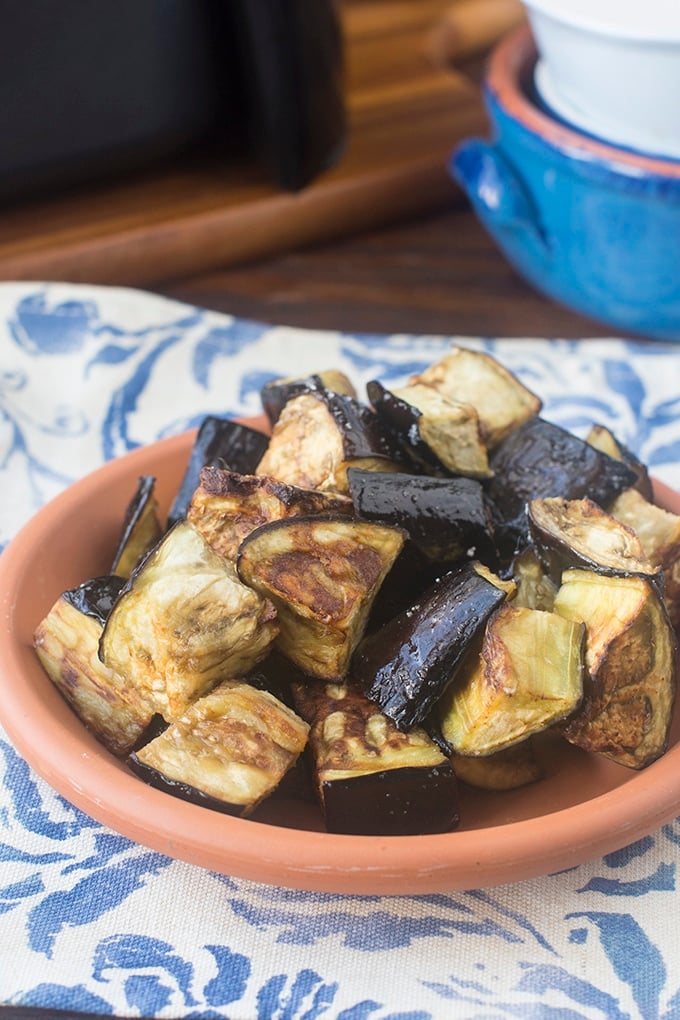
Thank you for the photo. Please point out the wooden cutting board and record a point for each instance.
(408, 104)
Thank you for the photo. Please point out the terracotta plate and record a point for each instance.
(585, 806)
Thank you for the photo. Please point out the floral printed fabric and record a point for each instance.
(92, 922)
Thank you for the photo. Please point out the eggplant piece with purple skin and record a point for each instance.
(405, 666)
(220, 442)
(228, 751)
(319, 435)
(447, 519)
(567, 533)
(436, 434)
(539, 460)
(97, 596)
(66, 642)
(141, 528)
(370, 779)
(276, 393)
(226, 507)
(603, 439)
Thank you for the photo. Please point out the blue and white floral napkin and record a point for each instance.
(92, 922)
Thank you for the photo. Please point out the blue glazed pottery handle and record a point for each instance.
(497, 193)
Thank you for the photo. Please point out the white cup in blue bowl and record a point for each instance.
(592, 225)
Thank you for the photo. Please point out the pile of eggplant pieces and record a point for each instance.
(389, 596)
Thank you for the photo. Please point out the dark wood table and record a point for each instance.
(438, 274)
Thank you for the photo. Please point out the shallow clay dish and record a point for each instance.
(585, 806)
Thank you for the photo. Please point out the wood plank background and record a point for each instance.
(410, 98)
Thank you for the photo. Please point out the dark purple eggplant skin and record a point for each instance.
(220, 442)
(276, 394)
(184, 791)
(539, 460)
(363, 432)
(401, 420)
(135, 508)
(405, 666)
(96, 597)
(395, 802)
(447, 519)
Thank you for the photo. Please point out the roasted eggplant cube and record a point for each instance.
(631, 661)
(228, 751)
(578, 533)
(319, 435)
(67, 644)
(447, 519)
(227, 506)
(141, 528)
(659, 534)
(434, 431)
(184, 622)
(603, 439)
(541, 460)
(528, 676)
(370, 778)
(450, 429)
(405, 666)
(322, 574)
(276, 393)
(223, 443)
(502, 402)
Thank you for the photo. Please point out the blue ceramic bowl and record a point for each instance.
(591, 225)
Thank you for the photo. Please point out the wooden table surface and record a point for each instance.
(439, 274)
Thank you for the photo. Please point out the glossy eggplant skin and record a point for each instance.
(276, 393)
(603, 439)
(447, 519)
(405, 666)
(361, 429)
(540, 460)
(223, 443)
(96, 597)
(400, 419)
(141, 528)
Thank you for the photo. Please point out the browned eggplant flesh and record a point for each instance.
(379, 601)
(183, 622)
(369, 777)
(67, 644)
(527, 677)
(441, 432)
(228, 751)
(578, 533)
(322, 573)
(631, 661)
(227, 506)
(319, 435)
